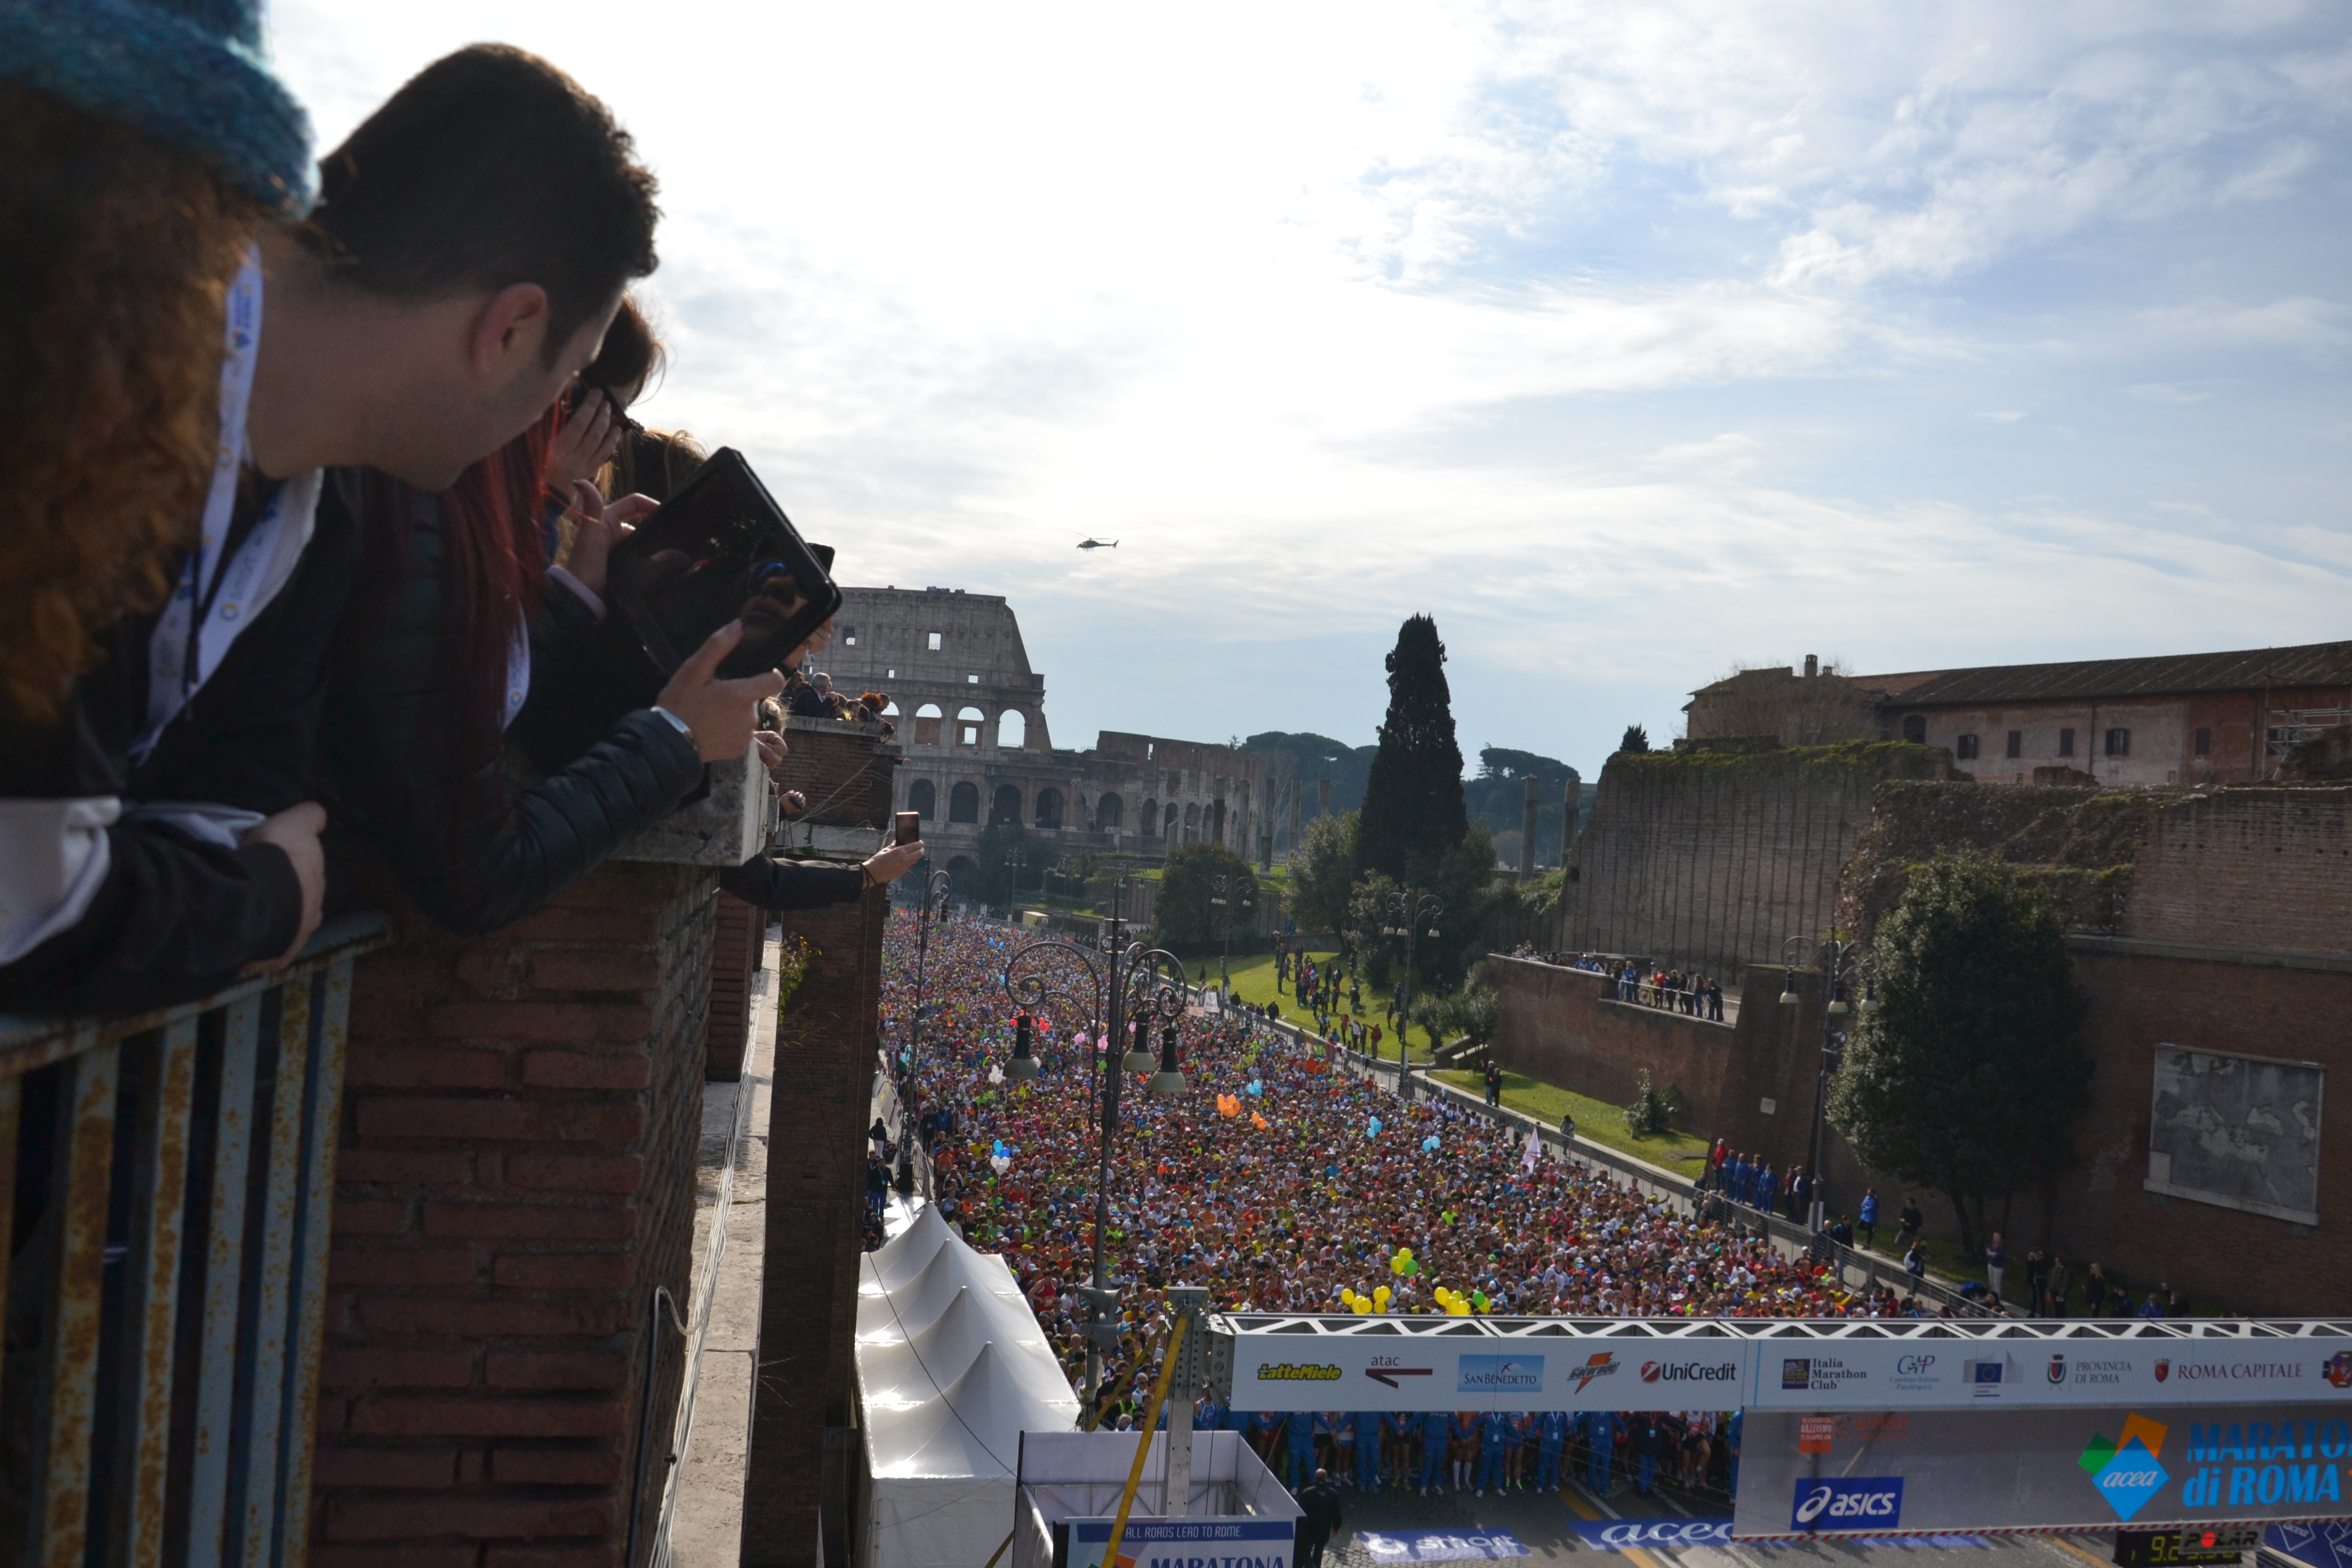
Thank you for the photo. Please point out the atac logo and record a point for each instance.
(1604, 1364)
(2338, 1370)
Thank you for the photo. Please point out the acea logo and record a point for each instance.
(1501, 1374)
(2126, 1471)
(1848, 1502)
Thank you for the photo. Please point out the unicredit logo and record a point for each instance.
(1689, 1371)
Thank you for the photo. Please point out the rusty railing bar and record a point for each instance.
(151, 1296)
(264, 1424)
(322, 1121)
(215, 1431)
(86, 1128)
(30, 1043)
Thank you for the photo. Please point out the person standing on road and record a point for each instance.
(1367, 1451)
(1432, 1428)
(1494, 1441)
(1551, 1437)
(1322, 1502)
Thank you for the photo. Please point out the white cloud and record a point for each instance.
(1621, 337)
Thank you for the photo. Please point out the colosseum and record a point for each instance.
(971, 714)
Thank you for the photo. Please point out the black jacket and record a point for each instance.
(474, 847)
(177, 918)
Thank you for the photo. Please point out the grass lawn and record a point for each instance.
(1254, 982)
(1683, 1153)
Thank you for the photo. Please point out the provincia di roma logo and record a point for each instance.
(2231, 1464)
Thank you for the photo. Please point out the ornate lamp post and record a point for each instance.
(1409, 912)
(1839, 957)
(1225, 891)
(1123, 986)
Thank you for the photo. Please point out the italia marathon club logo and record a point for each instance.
(2128, 1470)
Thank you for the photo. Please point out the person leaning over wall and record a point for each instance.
(142, 149)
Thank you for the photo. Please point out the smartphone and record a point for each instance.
(910, 827)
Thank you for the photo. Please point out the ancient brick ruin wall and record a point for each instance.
(1710, 859)
(2249, 868)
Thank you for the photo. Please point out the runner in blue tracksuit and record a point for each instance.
(1300, 1429)
(1600, 1432)
(1551, 1437)
(1397, 1431)
(1368, 1450)
(1494, 1435)
(1731, 1446)
(1433, 1433)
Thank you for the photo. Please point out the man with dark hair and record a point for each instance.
(472, 242)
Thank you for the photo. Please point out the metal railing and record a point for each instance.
(171, 1178)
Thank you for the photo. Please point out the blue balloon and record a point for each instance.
(1428, 1144)
(1373, 1130)
(1257, 1086)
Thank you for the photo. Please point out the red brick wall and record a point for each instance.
(2249, 868)
(738, 931)
(1558, 1027)
(2223, 1256)
(516, 1177)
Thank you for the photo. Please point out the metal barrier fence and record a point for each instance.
(171, 1178)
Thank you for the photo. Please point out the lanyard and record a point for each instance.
(214, 598)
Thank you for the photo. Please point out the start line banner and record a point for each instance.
(1944, 1472)
(1374, 1371)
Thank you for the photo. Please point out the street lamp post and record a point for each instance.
(1225, 889)
(1838, 956)
(935, 887)
(1127, 987)
(1409, 912)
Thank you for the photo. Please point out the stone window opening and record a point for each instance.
(2204, 742)
(1049, 809)
(1006, 807)
(849, 636)
(1964, 747)
(1109, 813)
(970, 722)
(2120, 742)
(2017, 743)
(1150, 820)
(933, 638)
(963, 802)
(926, 724)
(2066, 743)
(1171, 822)
(1914, 728)
(923, 799)
(1012, 729)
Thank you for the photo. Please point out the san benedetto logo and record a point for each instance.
(1291, 1372)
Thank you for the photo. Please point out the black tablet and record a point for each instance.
(721, 548)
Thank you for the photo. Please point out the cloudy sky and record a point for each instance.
(1631, 340)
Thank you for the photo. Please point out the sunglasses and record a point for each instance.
(581, 389)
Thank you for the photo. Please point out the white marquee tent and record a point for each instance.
(951, 1369)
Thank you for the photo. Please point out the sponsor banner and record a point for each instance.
(1955, 1374)
(1673, 1534)
(1389, 1372)
(1151, 1540)
(1440, 1546)
(2319, 1545)
(1983, 1467)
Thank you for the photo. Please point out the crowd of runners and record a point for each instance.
(1283, 1182)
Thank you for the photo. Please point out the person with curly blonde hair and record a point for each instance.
(157, 829)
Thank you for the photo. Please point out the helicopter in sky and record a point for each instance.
(1098, 545)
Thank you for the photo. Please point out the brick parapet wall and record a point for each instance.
(515, 1179)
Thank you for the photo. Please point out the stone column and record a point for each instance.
(1296, 805)
(1527, 830)
(1323, 801)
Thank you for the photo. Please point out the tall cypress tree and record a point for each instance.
(1413, 812)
